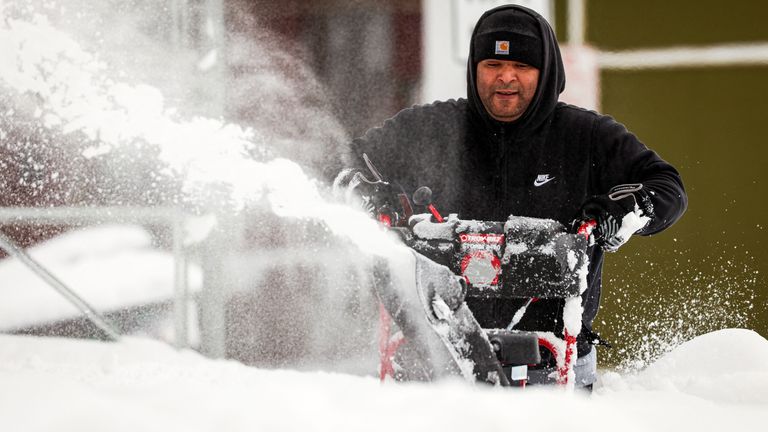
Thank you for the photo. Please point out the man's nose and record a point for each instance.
(507, 74)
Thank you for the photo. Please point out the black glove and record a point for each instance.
(354, 188)
(343, 184)
(378, 197)
(611, 212)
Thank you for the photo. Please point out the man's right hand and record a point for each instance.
(375, 197)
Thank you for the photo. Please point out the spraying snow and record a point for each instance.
(74, 94)
(61, 99)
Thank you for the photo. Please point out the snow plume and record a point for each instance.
(644, 326)
(61, 100)
(74, 110)
(103, 84)
(94, 111)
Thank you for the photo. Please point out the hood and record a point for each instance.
(551, 79)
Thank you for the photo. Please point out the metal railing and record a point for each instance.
(78, 216)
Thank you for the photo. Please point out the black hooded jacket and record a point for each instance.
(486, 170)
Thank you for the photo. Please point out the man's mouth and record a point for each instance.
(506, 93)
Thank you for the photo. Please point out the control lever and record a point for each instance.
(423, 196)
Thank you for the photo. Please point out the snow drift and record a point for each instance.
(58, 384)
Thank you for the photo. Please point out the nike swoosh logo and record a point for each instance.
(542, 180)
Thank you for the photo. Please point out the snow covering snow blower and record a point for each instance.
(427, 329)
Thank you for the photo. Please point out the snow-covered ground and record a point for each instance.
(716, 382)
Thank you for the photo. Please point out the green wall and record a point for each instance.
(709, 270)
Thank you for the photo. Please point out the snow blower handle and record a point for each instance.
(587, 227)
(386, 201)
(372, 168)
(423, 197)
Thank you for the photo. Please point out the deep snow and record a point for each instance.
(715, 382)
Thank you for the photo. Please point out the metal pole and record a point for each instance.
(175, 24)
(213, 324)
(9, 246)
(215, 29)
(180, 312)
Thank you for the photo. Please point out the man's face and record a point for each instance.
(506, 88)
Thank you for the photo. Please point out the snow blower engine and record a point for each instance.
(522, 258)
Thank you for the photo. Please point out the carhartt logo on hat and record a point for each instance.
(509, 34)
(502, 47)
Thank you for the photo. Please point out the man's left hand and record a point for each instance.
(625, 210)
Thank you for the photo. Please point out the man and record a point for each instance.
(511, 148)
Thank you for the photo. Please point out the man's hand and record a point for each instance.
(378, 198)
(355, 189)
(623, 211)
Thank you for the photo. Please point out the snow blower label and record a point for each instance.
(491, 239)
(502, 47)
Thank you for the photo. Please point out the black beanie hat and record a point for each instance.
(508, 34)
